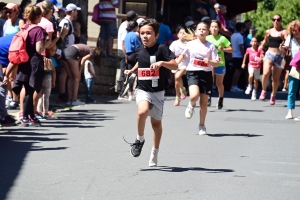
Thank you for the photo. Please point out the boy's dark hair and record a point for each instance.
(159, 18)
(239, 26)
(150, 22)
(247, 21)
(2, 5)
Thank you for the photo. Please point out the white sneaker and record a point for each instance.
(284, 89)
(248, 90)
(253, 97)
(297, 119)
(189, 111)
(131, 98)
(69, 103)
(202, 130)
(153, 158)
(77, 103)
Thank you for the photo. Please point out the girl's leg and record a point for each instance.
(28, 103)
(265, 77)
(276, 76)
(178, 81)
(203, 108)
(219, 82)
(11, 83)
(286, 80)
(250, 83)
(40, 101)
(73, 64)
(47, 92)
(36, 97)
(194, 96)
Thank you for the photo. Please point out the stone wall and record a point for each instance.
(106, 70)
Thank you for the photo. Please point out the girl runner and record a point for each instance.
(153, 60)
(222, 45)
(177, 47)
(203, 57)
(255, 57)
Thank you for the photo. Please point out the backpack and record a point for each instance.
(96, 11)
(17, 53)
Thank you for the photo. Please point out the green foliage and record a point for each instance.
(261, 18)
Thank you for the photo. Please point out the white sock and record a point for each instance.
(154, 150)
(190, 105)
(250, 86)
(140, 138)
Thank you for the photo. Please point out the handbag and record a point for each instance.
(96, 11)
(48, 65)
(288, 57)
(295, 73)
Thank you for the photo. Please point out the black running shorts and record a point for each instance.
(202, 79)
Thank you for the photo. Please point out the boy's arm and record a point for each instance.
(172, 65)
(133, 70)
(90, 71)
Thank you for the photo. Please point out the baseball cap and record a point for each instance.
(56, 3)
(139, 20)
(189, 23)
(12, 6)
(205, 18)
(72, 6)
(131, 15)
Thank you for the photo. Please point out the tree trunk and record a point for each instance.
(83, 4)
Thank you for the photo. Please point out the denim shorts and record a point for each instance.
(221, 70)
(275, 58)
(108, 30)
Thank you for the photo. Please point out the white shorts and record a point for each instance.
(156, 100)
(256, 72)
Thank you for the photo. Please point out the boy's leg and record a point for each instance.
(157, 133)
(143, 109)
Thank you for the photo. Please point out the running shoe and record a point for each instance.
(202, 130)
(284, 89)
(131, 98)
(8, 121)
(209, 101)
(297, 119)
(69, 103)
(183, 93)
(177, 101)
(253, 97)
(248, 90)
(20, 115)
(77, 102)
(25, 122)
(272, 100)
(189, 111)
(220, 103)
(263, 95)
(236, 89)
(122, 98)
(136, 148)
(39, 116)
(153, 158)
(35, 122)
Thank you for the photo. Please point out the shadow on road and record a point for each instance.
(234, 135)
(14, 147)
(183, 169)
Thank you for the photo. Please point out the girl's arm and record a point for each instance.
(181, 58)
(228, 49)
(265, 41)
(85, 58)
(21, 24)
(53, 77)
(244, 60)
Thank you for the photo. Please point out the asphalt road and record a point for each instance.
(250, 152)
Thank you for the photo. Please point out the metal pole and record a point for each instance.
(162, 7)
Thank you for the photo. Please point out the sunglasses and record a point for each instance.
(276, 19)
(9, 11)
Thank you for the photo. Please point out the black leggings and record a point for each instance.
(28, 102)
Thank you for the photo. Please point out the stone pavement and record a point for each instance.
(251, 152)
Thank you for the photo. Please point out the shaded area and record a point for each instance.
(14, 147)
(183, 169)
(234, 135)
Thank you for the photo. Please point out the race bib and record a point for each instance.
(148, 74)
(200, 63)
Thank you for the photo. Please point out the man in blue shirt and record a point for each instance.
(165, 34)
